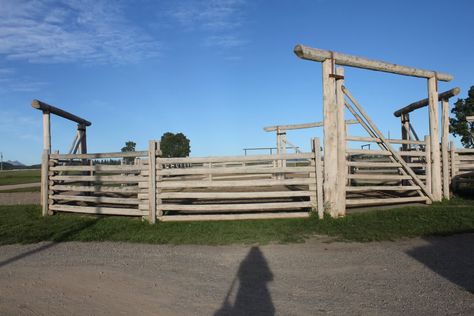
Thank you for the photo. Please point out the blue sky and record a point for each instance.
(218, 71)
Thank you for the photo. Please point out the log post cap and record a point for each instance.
(321, 55)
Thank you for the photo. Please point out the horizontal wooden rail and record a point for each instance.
(320, 55)
(98, 210)
(382, 188)
(412, 153)
(191, 160)
(236, 183)
(101, 155)
(300, 126)
(100, 178)
(233, 195)
(227, 217)
(377, 140)
(378, 177)
(96, 188)
(398, 200)
(233, 207)
(94, 199)
(234, 170)
(94, 168)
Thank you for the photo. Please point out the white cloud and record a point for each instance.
(219, 19)
(47, 31)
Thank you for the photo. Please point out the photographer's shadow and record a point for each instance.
(253, 296)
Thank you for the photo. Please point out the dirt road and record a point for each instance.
(432, 276)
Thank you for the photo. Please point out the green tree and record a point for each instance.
(458, 124)
(174, 145)
(129, 146)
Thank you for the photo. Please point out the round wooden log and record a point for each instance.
(320, 55)
(422, 103)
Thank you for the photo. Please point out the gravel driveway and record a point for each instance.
(433, 276)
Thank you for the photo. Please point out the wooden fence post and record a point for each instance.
(152, 181)
(330, 139)
(436, 185)
(428, 173)
(444, 147)
(452, 149)
(159, 166)
(318, 177)
(45, 182)
(341, 145)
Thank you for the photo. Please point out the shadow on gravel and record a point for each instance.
(450, 257)
(253, 296)
(64, 235)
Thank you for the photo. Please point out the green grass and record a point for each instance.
(19, 177)
(32, 189)
(24, 224)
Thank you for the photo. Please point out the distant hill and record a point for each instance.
(15, 163)
(7, 165)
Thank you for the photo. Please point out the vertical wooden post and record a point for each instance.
(436, 185)
(341, 145)
(152, 181)
(444, 147)
(428, 170)
(47, 131)
(452, 149)
(319, 177)
(330, 139)
(45, 182)
(159, 166)
(81, 130)
(405, 120)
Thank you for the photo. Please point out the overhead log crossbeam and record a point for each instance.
(422, 103)
(321, 55)
(46, 108)
(300, 126)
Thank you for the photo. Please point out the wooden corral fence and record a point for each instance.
(462, 170)
(173, 189)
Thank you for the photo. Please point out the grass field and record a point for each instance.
(19, 177)
(24, 224)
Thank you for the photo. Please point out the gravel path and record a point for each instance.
(433, 276)
(19, 186)
(18, 198)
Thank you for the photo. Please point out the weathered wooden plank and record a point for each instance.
(190, 160)
(234, 207)
(382, 188)
(98, 210)
(95, 199)
(236, 183)
(101, 155)
(233, 195)
(369, 164)
(465, 150)
(399, 200)
(318, 176)
(97, 189)
(320, 55)
(232, 170)
(226, 217)
(444, 147)
(101, 178)
(428, 164)
(152, 181)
